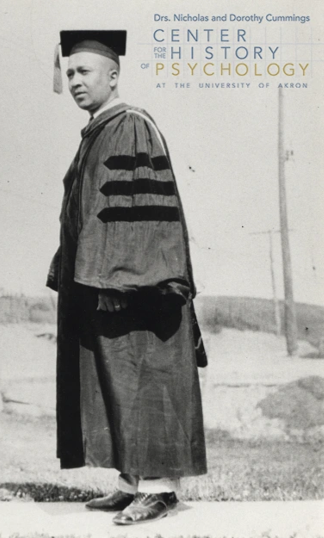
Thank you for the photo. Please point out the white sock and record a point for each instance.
(159, 485)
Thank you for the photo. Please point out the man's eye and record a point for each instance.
(84, 71)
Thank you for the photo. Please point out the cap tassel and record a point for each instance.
(57, 79)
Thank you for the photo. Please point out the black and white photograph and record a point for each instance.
(162, 269)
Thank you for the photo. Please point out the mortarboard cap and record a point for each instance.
(99, 41)
(109, 43)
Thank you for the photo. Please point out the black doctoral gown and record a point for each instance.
(128, 392)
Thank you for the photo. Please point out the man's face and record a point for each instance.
(92, 79)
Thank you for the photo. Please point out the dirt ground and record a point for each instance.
(263, 416)
(250, 389)
(238, 469)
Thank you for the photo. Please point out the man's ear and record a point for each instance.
(113, 74)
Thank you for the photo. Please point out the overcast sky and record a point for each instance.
(223, 141)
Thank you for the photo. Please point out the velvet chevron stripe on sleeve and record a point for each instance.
(138, 186)
(139, 213)
(129, 162)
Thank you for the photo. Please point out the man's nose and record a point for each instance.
(75, 80)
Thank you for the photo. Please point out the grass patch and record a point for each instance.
(255, 314)
(239, 470)
(42, 535)
(245, 470)
(45, 535)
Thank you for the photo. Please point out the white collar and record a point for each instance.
(112, 103)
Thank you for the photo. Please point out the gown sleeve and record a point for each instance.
(132, 233)
(53, 273)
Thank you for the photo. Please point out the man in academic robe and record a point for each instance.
(128, 393)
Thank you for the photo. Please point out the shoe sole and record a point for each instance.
(164, 514)
(106, 509)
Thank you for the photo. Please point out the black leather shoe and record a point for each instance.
(146, 507)
(118, 500)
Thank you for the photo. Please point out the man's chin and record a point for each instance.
(83, 103)
(84, 106)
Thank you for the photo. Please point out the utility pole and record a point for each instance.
(274, 288)
(290, 312)
(276, 307)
